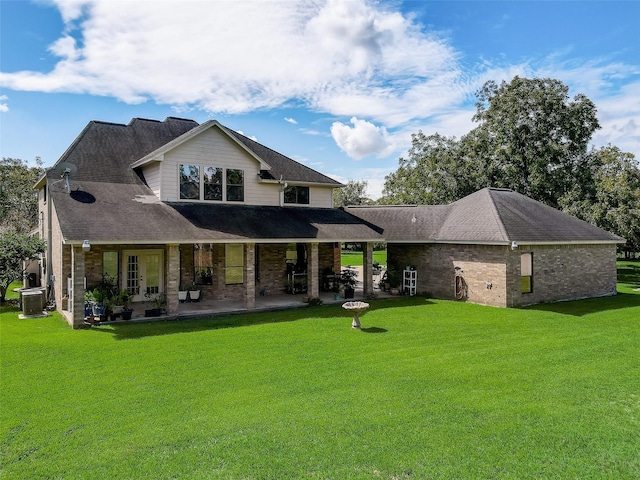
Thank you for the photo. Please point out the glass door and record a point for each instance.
(144, 274)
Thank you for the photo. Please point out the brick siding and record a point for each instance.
(492, 273)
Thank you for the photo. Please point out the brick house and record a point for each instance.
(166, 206)
(497, 247)
(174, 205)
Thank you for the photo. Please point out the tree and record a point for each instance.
(534, 137)
(530, 138)
(432, 173)
(15, 248)
(353, 193)
(608, 194)
(18, 200)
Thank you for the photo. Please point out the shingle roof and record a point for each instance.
(490, 216)
(104, 151)
(119, 213)
(282, 166)
(109, 202)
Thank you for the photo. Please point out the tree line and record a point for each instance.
(532, 138)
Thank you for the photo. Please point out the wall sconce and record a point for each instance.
(514, 245)
(86, 246)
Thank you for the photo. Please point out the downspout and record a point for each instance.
(49, 265)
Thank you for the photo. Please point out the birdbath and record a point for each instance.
(356, 308)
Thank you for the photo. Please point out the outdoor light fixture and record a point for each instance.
(514, 245)
(86, 246)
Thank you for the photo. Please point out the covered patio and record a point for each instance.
(210, 307)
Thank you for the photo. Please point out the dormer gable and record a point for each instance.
(158, 154)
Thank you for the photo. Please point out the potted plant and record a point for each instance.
(182, 295)
(348, 281)
(159, 304)
(123, 298)
(376, 268)
(194, 293)
(393, 280)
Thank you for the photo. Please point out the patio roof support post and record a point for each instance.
(78, 273)
(250, 276)
(173, 278)
(313, 280)
(367, 269)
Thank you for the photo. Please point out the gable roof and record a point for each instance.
(110, 203)
(491, 216)
(110, 152)
(273, 165)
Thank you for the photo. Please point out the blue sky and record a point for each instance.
(337, 85)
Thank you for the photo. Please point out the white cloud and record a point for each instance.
(347, 57)
(361, 140)
(3, 103)
(356, 59)
(290, 120)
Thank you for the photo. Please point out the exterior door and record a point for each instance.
(144, 274)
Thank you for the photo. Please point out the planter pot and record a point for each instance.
(182, 296)
(349, 292)
(395, 291)
(153, 312)
(126, 314)
(194, 295)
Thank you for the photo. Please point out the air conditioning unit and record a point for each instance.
(32, 302)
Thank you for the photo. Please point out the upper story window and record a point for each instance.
(209, 183)
(235, 185)
(189, 182)
(212, 183)
(296, 194)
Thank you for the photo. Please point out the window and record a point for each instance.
(110, 265)
(296, 194)
(526, 272)
(212, 183)
(234, 263)
(235, 185)
(203, 262)
(189, 182)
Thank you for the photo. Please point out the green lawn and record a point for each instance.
(428, 389)
(355, 258)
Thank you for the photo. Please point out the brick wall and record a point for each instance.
(492, 273)
(566, 272)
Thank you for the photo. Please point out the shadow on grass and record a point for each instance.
(374, 330)
(141, 329)
(629, 273)
(588, 306)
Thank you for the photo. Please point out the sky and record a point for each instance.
(339, 85)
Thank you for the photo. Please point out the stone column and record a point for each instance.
(173, 278)
(367, 269)
(313, 280)
(78, 272)
(250, 276)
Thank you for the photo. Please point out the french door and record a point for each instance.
(144, 273)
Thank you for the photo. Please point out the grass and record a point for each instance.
(355, 258)
(428, 389)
